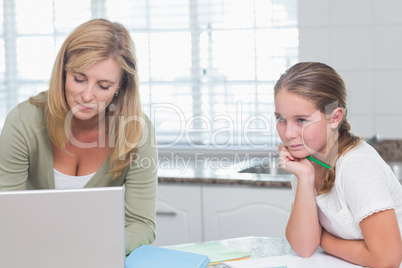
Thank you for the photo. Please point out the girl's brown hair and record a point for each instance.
(89, 43)
(322, 85)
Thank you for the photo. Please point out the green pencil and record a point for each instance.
(319, 162)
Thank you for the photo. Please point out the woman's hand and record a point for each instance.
(300, 167)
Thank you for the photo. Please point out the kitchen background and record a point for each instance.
(361, 39)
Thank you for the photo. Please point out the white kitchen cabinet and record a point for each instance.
(179, 215)
(238, 211)
(188, 213)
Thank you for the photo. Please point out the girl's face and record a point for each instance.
(88, 93)
(301, 126)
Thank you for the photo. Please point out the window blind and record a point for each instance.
(206, 67)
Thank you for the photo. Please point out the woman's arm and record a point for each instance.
(140, 193)
(140, 207)
(381, 247)
(303, 230)
(14, 158)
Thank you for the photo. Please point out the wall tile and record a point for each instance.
(360, 89)
(362, 125)
(313, 13)
(388, 94)
(387, 12)
(313, 45)
(389, 126)
(347, 13)
(352, 48)
(365, 44)
(387, 47)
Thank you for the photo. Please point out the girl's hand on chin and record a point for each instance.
(300, 167)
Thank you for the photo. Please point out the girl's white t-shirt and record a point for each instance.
(364, 184)
(63, 181)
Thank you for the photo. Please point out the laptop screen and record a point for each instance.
(62, 228)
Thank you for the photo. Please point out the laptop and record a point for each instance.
(62, 228)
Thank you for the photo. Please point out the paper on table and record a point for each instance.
(216, 251)
(319, 259)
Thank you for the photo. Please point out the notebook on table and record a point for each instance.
(62, 228)
(157, 257)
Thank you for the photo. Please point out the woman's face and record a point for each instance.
(88, 93)
(301, 126)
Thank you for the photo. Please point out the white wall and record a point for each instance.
(362, 40)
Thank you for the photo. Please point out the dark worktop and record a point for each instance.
(217, 172)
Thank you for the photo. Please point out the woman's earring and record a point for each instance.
(117, 93)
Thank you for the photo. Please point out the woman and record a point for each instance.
(353, 210)
(88, 129)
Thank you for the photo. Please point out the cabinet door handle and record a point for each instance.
(166, 213)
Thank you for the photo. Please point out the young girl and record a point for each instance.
(352, 210)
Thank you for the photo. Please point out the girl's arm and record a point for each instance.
(381, 247)
(303, 230)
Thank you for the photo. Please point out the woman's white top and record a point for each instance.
(364, 184)
(63, 181)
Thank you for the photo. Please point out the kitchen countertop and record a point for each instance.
(208, 172)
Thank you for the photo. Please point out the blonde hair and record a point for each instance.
(323, 86)
(89, 43)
